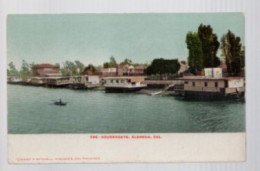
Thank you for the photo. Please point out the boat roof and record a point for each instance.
(209, 79)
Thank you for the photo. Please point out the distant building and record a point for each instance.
(46, 70)
(108, 72)
(130, 70)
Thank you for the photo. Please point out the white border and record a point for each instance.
(251, 11)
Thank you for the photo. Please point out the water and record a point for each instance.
(30, 110)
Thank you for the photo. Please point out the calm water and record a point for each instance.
(30, 110)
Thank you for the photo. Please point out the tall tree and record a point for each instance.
(233, 53)
(69, 68)
(25, 69)
(79, 67)
(12, 71)
(210, 45)
(195, 58)
(127, 62)
(112, 63)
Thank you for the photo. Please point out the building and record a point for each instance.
(123, 84)
(130, 70)
(46, 70)
(108, 72)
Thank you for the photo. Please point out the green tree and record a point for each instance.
(127, 62)
(233, 53)
(106, 65)
(195, 58)
(163, 66)
(69, 68)
(25, 69)
(90, 68)
(79, 67)
(112, 62)
(12, 71)
(210, 45)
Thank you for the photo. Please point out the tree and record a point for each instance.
(112, 63)
(210, 45)
(25, 69)
(195, 58)
(90, 69)
(106, 65)
(163, 66)
(12, 71)
(127, 62)
(69, 68)
(79, 67)
(233, 53)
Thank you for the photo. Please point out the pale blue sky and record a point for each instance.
(93, 38)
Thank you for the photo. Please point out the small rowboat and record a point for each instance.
(60, 103)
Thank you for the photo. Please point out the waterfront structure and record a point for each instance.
(203, 88)
(93, 79)
(14, 79)
(46, 70)
(57, 81)
(37, 81)
(183, 67)
(123, 84)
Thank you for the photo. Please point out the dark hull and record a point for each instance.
(209, 96)
(122, 90)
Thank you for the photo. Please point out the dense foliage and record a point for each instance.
(163, 66)
(233, 52)
(195, 58)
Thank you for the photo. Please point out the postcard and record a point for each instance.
(142, 87)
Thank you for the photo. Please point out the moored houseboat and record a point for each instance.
(203, 88)
(56, 81)
(123, 84)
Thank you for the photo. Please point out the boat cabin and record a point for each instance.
(124, 83)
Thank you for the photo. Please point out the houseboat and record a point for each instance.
(14, 80)
(37, 81)
(123, 84)
(84, 82)
(57, 81)
(203, 88)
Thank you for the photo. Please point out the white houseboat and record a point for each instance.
(123, 84)
(213, 87)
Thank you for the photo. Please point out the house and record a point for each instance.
(130, 70)
(46, 70)
(108, 72)
(123, 84)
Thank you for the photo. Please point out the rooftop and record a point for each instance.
(206, 78)
(45, 66)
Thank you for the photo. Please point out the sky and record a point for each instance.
(94, 38)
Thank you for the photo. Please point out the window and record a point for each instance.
(193, 84)
(206, 84)
(216, 84)
(185, 82)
